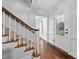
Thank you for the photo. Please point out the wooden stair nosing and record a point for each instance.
(9, 41)
(5, 42)
(29, 49)
(5, 35)
(21, 46)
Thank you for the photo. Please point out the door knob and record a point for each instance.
(66, 32)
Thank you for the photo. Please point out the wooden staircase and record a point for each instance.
(17, 35)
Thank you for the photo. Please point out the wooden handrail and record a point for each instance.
(19, 20)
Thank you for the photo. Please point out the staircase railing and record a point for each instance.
(20, 32)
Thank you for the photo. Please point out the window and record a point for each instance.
(60, 25)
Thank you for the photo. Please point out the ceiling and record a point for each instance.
(38, 7)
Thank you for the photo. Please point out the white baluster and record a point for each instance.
(12, 29)
(15, 30)
(3, 15)
(25, 38)
(19, 35)
(27, 34)
(9, 28)
(30, 39)
(34, 35)
(37, 39)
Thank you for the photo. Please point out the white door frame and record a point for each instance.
(63, 41)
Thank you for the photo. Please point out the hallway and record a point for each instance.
(39, 29)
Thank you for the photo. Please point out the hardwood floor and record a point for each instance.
(47, 52)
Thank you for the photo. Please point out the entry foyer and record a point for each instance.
(39, 29)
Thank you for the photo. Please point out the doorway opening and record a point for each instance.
(41, 23)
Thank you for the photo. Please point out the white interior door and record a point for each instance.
(62, 30)
(43, 28)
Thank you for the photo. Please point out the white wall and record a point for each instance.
(72, 20)
(51, 29)
(73, 30)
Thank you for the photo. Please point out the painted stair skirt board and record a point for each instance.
(15, 53)
(7, 53)
(29, 56)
